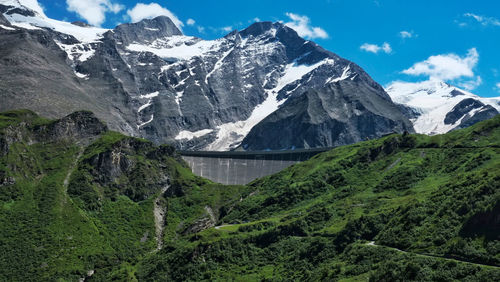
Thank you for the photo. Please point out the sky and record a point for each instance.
(457, 41)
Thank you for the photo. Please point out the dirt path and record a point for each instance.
(372, 243)
(159, 215)
(72, 168)
(222, 226)
(393, 164)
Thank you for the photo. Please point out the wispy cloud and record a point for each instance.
(483, 20)
(302, 25)
(148, 11)
(450, 67)
(497, 86)
(406, 34)
(190, 22)
(93, 11)
(374, 48)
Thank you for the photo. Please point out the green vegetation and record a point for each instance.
(399, 208)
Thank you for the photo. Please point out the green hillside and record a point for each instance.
(80, 201)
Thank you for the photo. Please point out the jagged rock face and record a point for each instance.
(435, 107)
(122, 168)
(460, 113)
(145, 31)
(461, 109)
(36, 75)
(341, 113)
(3, 20)
(80, 127)
(81, 24)
(147, 79)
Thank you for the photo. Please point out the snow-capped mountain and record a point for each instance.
(435, 107)
(148, 79)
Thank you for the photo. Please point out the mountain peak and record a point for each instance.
(147, 30)
(441, 107)
(29, 8)
(259, 28)
(275, 29)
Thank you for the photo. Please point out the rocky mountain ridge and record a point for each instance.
(147, 79)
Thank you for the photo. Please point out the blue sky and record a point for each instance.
(454, 40)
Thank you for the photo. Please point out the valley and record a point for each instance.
(131, 150)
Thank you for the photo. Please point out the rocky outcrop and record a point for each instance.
(81, 24)
(129, 166)
(460, 109)
(342, 113)
(208, 220)
(468, 112)
(145, 31)
(80, 127)
(37, 75)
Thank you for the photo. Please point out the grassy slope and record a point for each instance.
(53, 231)
(436, 198)
(433, 196)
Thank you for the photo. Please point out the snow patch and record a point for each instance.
(81, 75)
(294, 72)
(80, 51)
(178, 97)
(177, 47)
(82, 34)
(147, 122)
(218, 64)
(6, 27)
(188, 135)
(345, 75)
(141, 108)
(434, 100)
(150, 95)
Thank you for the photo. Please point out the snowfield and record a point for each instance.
(433, 99)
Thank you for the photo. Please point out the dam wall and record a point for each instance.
(243, 167)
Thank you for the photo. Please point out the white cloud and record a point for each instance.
(256, 19)
(302, 25)
(148, 11)
(373, 48)
(93, 11)
(200, 29)
(450, 67)
(406, 34)
(227, 29)
(446, 66)
(498, 86)
(190, 22)
(486, 21)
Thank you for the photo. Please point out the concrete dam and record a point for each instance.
(240, 167)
